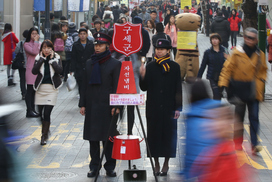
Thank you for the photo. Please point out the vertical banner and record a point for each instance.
(185, 3)
(39, 5)
(57, 5)
(78, 5)
(85, 5)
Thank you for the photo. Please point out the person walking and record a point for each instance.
(48, 68)
(151, 29)
(221, 26)
(167, 16)
(161, 79)
(32, 49)
(160, 34)
(81, 52)
(22, 71)
(214, 58)
(171, 30)
(97, 27)
(99, 81)
(234, 21)
(245, 73)
(10, 40)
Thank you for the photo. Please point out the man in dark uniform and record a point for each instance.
(100, 80)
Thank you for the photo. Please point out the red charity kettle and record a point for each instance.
(126, 147)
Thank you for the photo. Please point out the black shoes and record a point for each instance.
(111, 173)
(32, 114)
(91, 174)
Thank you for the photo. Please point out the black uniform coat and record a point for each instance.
(79, 57)
(164, 97)
(95, 98)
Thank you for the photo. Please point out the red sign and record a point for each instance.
(127, 38)
(126, 83)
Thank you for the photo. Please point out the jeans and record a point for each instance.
(253, 116)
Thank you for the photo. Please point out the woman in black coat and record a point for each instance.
(161, 79)
(167, 17)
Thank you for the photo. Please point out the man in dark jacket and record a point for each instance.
(221, 26)
(81, 52)
(100, 80)
(100, 10)
(98, 28)
(116, 13)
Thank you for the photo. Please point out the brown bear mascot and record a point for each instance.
(188, 59)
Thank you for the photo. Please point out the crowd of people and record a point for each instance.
(86, 52)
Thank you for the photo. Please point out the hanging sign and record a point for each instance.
(127, 38)
(187, 40)
(78, 5)
(184, 3)
(39, 5)
(127, 99)
(57, 5)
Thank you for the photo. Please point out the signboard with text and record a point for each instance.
(186, 40)
(184, 3)
(127, 99)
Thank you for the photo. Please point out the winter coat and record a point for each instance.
(197, 140)
(116, 14)
(20, 46)
(6, 38)
(144, 17)
(221, 26)
(146, 43)
(210, 59)
(270, 48)
(32, 49)
(55, 67)
(234, 23)
(95, 98)
(151, 48)
(54, 36)
(100, 12)
(79, 57)
(169, 31)
(164, 97)
(166, 19)
(108, 12)
(240, 67)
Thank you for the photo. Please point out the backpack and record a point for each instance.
(70, 41)
(59, 45)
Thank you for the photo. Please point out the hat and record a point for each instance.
(82, 29)
(137, 20)
(72, 25)
(163, 43)
(101, 38)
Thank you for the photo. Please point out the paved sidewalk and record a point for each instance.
(66, 156)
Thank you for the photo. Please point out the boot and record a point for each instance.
(45, 131)
(10, 81)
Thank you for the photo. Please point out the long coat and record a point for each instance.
(164, 97)
(95, 98)
(7, 46)
(32, 49)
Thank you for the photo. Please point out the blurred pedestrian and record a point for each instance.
(175, 10)
(144, 16)
(108, 12)
(234, 21)
(161, 79)
(214, 58)
(221, 26)
(99, 81)
(10, 40)
(22, 71)
(48, 68)
(151, 29)
(100, 10)
(171, 30)
(167, 16)
(97, 27)
(244, 73)
(32, 49)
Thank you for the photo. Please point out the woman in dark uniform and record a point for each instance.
(161, 79)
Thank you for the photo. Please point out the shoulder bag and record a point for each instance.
(19, 61)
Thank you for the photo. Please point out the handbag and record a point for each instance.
(71, 82)
(240, 91)
(19, 61)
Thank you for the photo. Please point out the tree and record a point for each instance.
(250, 14)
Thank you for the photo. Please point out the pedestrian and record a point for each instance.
(10, 40)
(22, 71)
(100, 10)
(167, 16)
(97, 27)
(221, 26)
(84, 25)
(125, 14)
(161, 79)
(108, 12)
(153, 16)
(81, 52)
(245, 73)
(225, 12)
(151, 29)
(116, 13)
(186, 9)
(144, 16)
(48, 68)
(175, 10)
(234, 21)
(108, 22)
(99, 81)
(160, 34)
(214, 58)
(171, 30)
(32, 49)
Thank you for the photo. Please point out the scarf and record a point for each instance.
(98, 59)
(163, 61)
(248, 50)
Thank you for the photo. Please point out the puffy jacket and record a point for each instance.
(234, 23)
(108, 12)
(240, 67)
(221, 26)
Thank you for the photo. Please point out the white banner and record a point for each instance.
(57, 5)
(86, 5)
(263, 2)
(73, 5)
